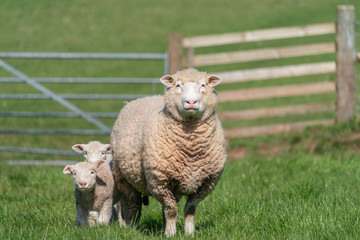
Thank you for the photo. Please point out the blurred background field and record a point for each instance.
(140, 27)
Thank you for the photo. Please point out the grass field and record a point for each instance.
(291, 186)
(287, 196)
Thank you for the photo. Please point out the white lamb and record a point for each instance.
(168, 147)
(94, 151)
(94, 184)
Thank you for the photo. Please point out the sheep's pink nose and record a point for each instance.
(82, 184)
(191, 102)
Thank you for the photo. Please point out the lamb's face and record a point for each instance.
(191, 94)
(84, 174)
(93, 151)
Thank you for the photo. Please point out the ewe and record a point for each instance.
(94, 184)
(168, 147)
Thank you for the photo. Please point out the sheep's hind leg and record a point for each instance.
(119, 216)
(131, 205)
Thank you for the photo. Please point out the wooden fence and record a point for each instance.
(344, 67)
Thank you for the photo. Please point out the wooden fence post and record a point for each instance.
(175, 52)
(345, 64)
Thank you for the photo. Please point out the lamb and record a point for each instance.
(94, 184)
(94, 151)
(168, 147)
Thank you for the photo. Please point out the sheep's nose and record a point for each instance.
(191, 102)
(82, 184)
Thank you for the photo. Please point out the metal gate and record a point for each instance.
(62, 99)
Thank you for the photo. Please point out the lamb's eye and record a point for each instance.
(92, 172)
(74, 173)
(85, 153)
(103, 153)
(178, 86)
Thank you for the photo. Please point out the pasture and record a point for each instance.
(290, 186)
(292, 195)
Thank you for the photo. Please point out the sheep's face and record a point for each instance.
(191, 93)
(93, 151)
(84, 174)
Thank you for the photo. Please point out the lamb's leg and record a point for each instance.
(193, 201)
(81, 215)
(105, 212)
(93, 218)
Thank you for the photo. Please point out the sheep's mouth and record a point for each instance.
(191, 110)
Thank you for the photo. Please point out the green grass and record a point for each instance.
(288, 196)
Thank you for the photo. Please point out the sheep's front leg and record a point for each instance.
(105, 212)
(189, 211)
(170, 211)
(193, 201)
(81, 215)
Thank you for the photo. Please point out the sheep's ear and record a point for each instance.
(68, 169)
(108, 148)
(78, 148)
(214, 80)
(99, 164)
(167, 80)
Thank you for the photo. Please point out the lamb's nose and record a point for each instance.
(82, 184)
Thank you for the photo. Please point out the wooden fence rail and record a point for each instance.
(261, 54)
(343, 67)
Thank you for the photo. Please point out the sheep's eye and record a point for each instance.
(85, 152)
(203, 85)
(178, 86)
(74, 174)
(92, 172)
(103, 153)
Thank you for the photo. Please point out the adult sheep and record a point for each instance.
(168, 147)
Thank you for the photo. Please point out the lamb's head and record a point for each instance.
(93, 151)
(84, 174)
(190, 96)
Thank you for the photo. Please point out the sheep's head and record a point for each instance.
(84, 174)
(93, 151)
(190, 96)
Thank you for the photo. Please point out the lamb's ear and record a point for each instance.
(167, 80)
(214, 80)
(68, 169)
(99, 163)
(108, 148)
(78, 148)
